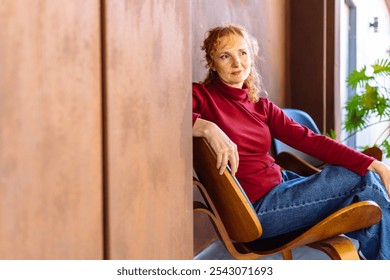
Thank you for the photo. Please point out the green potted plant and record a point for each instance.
(372, 99)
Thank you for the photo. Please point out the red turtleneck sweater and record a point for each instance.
(252, 125)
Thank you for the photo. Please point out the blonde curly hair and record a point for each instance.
(211, 44)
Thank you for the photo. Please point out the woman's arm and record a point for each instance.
(225, 149)
(319, 146)
(383, 171)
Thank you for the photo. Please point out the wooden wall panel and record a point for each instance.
(314, 67)
(308, 57)
(266, 20)
(148, 120)
(50, 130)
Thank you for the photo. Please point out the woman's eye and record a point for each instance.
(224, 56)
(243, 53)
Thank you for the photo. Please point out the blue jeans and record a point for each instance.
(300, 202)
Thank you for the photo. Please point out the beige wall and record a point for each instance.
(50, 130)
(149, 160)
(95, 154)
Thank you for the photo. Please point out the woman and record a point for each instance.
(239, 124)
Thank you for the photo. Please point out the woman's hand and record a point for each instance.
(225, 149)
(383, 171)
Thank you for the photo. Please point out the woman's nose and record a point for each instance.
(236, 62)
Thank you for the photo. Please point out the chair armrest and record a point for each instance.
(375, 152)
(293, 163)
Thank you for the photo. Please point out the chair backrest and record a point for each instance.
(302, 118)
(232, 205)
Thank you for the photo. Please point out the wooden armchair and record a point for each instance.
(239, 228)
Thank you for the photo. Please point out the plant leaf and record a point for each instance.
(331, 134)
(370, 97)
(356, 78)
(386, 148)
(381, 67)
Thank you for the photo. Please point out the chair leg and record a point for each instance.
(337, 248)
(235, 251)
(287, 255)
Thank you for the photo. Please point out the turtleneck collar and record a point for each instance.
(231, 92)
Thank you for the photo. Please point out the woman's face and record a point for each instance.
(232, 61)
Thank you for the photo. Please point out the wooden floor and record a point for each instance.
(217, 251)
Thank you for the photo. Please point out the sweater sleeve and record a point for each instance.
(322, 147)
(197, 102)
(195, 116)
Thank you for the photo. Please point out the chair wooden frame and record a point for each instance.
(236, 222)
